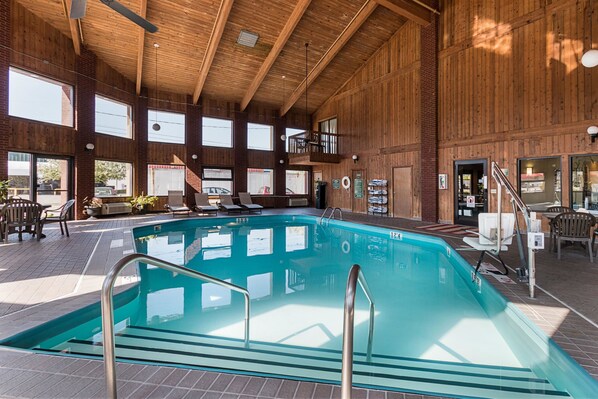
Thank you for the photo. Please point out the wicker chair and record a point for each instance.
(575, 227)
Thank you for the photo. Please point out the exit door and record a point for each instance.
(471, 191)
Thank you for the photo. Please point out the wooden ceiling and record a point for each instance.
(198, 53)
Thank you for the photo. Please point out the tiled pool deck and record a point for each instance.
(42, 280)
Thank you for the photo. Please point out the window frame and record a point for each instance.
(273, 182)
(307, 180)
(47, 79)
(232, 132)
(129, 121)
(249, 147)
(232, 178)
(177, 167)
(521, 169)
(155, 111)
(130, 183)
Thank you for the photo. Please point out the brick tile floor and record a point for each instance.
(40, 281)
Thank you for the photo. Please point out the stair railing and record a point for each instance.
(108, 306)
(355, 276)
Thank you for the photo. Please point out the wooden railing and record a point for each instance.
(326, 143)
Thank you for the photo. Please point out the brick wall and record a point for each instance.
(85, 125)
(240, 148)
(4, 65)
(140, 135)
(193, 137)
(429, 122)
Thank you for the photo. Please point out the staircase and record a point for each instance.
(288, 361)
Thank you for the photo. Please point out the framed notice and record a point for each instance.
(442, 181)
(358, 188)
(336, 184)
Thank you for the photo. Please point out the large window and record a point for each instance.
(259, 137)
(113, 179)
(584, 182)
(327, 126)
(113, 118)
(217, 181)
(172, 127)
(296, 182)
(540, 182)
(217, 132)
(260, 181)
(162, 178)
(41, 99)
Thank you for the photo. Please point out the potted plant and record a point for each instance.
(4, 190)
(93, 206)
(141, 202)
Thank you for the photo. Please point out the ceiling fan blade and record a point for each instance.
(78, 9)
(125, 12)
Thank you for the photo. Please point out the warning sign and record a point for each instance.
(471, 201)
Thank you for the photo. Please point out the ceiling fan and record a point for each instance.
(78, 11)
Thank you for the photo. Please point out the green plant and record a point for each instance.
(142, 200)
(92, 202)
(4, 190)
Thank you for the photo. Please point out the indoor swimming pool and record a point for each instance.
(436, 331)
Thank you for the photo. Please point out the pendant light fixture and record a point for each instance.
(306, 74)
(156, 126)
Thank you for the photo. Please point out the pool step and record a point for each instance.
(390, 372)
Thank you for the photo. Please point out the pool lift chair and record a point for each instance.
(501, 237)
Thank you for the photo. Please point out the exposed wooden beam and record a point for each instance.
(358, 20)
(408, 9)
(73, 25)
(140, 47)
(215, 37)
(282, 39)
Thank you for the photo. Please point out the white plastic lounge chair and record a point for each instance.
(226, 203)
(488, 237)
(202, 204)
(247, 203)
(175, 203)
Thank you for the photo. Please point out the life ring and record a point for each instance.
(346, 182)
(346, 247)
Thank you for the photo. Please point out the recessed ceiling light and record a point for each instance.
(247, 38)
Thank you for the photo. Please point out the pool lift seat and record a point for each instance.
(494, 236)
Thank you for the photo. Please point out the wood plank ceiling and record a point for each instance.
(186, 28)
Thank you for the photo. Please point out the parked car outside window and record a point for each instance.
(215, 190)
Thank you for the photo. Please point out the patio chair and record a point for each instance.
(574, 227)
(60, 215)
(247, 203)
(555, 209)
(21, 216)
(487, 237)
(175, 203)
(226, 204)
(202, 204)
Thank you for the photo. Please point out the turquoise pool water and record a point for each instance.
(436, 331)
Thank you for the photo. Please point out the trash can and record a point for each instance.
(321, 195)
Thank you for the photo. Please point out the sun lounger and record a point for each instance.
(175, 203)
(202, 205)
(247, 203)
(226, 204)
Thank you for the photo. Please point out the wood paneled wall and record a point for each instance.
(511, 84)
(377, 112)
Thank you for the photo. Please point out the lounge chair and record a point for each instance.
(226, 204)
(60, 215)
(247, 203)
(175, 203)
(202, 205)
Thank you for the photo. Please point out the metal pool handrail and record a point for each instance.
(340, 212)
(108, 307)
(324, 213)
(355, 276)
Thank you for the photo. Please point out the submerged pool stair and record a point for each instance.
(261, 358)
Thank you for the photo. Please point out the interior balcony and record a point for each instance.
(313, 148)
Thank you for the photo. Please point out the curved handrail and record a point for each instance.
(324, 213)
(108, 306)
(340, 212)
(355, 276)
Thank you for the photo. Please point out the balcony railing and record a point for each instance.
(313, 142)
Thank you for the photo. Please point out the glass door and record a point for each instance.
(40, 178)
(53, 181)
(471, 191)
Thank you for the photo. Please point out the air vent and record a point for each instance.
(247, 38)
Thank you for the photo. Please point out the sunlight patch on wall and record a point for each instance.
(489, 35)
(565, 51)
